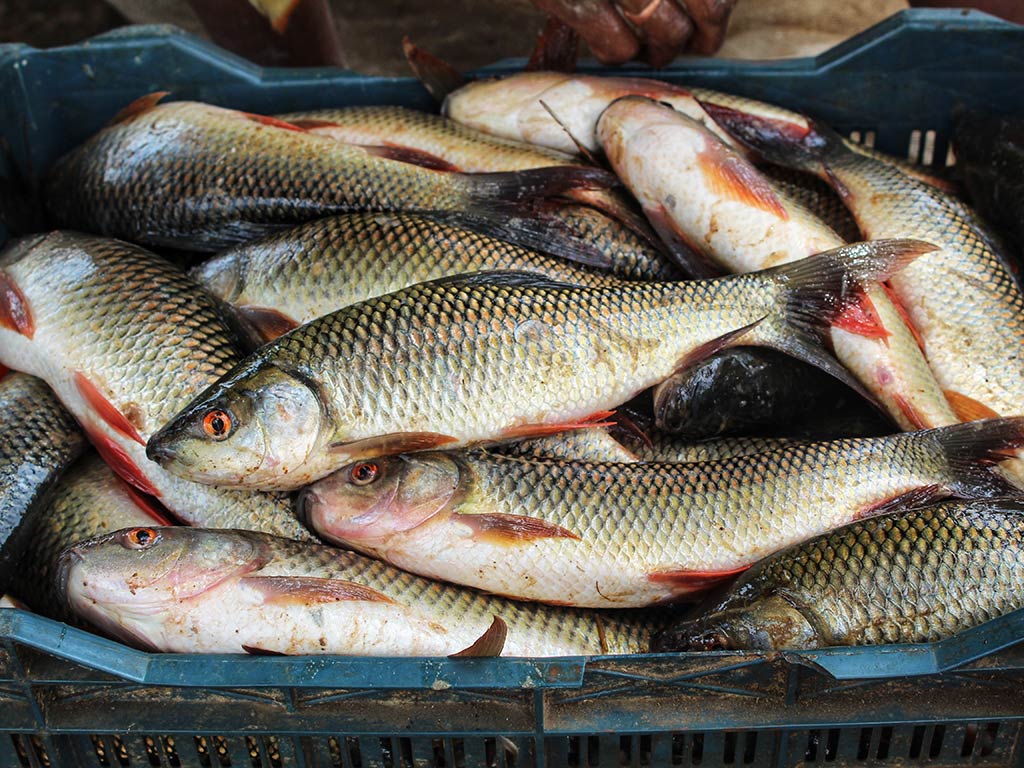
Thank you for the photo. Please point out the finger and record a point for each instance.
(710, 18)
(664, 26)
(610, 38)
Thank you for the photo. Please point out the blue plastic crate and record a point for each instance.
(69, 698)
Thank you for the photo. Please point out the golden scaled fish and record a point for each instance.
(188, 590)
(709, 199)
(486, 358)
(125, 339)
(605, 535)
(911, 577)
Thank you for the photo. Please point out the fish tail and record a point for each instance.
(802, 143)
(970, 449)
(817, 290)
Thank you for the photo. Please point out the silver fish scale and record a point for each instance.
(149, 339)
(471, 358)
(623, 631)
(913, 577)
(963, 300)
(38, 440)
(645, 515)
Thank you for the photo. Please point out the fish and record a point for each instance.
(910, 577)
(595, 444)
(606, 535)
(87, 501)
(166, 589)
(489, 357)
(700, 193)
(125, 340)
(664, 448)
(39, 440)
(279, 282)
(962, 300)
(816, 196)
(200, 177)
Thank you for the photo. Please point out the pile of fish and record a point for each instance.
(521, 379)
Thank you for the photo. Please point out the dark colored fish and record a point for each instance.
(911, 577)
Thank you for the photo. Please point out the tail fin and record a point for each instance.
(816, 290)
(438, 76)
(535, 183)
(808, 147)
(970, 449)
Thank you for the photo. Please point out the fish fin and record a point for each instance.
(901, 310)
(106, 410)
(312, 123)
(119, 461)
(533, 184)
(150, 506)
(731, 177)
(912, 499)
(580, 146)
(410, 155)
(505, 279)
(626, 426)
(538, 230)
(512, 529)
(860, 317)
(435, 74)
(266, 323)
(277, 13)
(255, 650)
(396, 442)
(685, 582)
(139, 106)
(809, 146)
(274, 122)
(710, 348)
(816, 289)
(970, 448)
(598, 419)
(557, 48)
(15, 313)
(689, 256)
(967, 408)
(490, 643)
(915, 419)
(303, 590)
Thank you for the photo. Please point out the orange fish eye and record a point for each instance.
(217, 424)
(364, 473)
(139, 538)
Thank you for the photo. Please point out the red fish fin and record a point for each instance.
(490, 643)
(272, 121)
(119, 461)
(967, 408)
(137, 107)
(303, 590)
(599, 419)
(150, 506)
(687, 582)
(268, 323)
(910, 413)
(438, 76)
(690, 256)
(396, 442)
(15, 313)
(512, 529)
(731, 177)
(557, 48)
(311, 123)
(255, 650)
(410, 155)
(859, 316)
(105, 409)
(918, 497)
(901, 309)
(580, 146)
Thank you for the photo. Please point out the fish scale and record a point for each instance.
(912, 577)
(631, 534)
(146, 337)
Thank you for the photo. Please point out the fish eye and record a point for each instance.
(217, 424)
(139, 538)
(364, 473)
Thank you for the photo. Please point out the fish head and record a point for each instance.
(368, 502)
(768, 624)
(127, 580)
(253, 429)
(221, 275)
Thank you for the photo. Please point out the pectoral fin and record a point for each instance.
(490, 643)
(303, 590)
